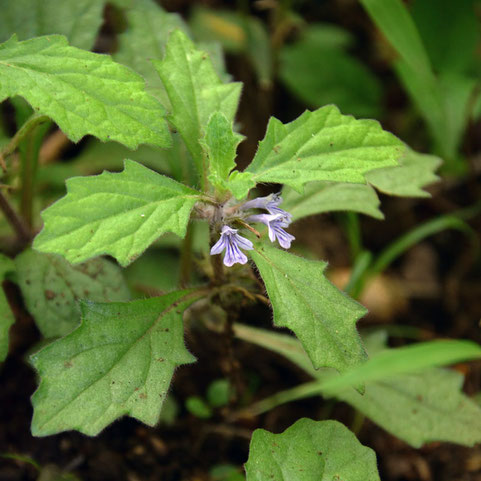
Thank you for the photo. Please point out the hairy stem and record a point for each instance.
(32, 122)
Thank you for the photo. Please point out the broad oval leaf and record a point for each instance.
(78, 20)
(310, 451)
(119, 361)
(119, 214)
(322, 317)
(323, 145)
(51, 288)
(83, 92)
(195, 91)
(420, 408)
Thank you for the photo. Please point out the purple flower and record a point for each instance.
(231, 241)
(270, 203)
(275, 224)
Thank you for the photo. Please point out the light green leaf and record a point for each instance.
(240, 183)
(395, 22)
(319, 71)
(219, 393)
(119, 361)
(195, 92)
(6, 316)
(220, 145)
(421, 408)
(323, 145)
(310, 451)
(415, 171)
(325, 318)
(321, 197)
(51, 288)
(119, 214)
(149, 27)
(98, 156)
(83, 92)
(417, 407)
(411, 358)
(78, 20)
(198, 407)
(415, 70)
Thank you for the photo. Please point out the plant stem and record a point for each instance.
(29, 161)
(32, 122)
(353, 231)
(23, 233)
(302, 391)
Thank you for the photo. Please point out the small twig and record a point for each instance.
(10, 148)
(23, 233)
(247, 226)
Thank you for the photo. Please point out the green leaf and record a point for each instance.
(323, 145)
(310, 451)
(450, 32)
(395, 22)
(78, 20)
(156, 271)
(119, 361)
(421, 408)
(415, 171)
(6, 316)
(318, 71)
(119, 214)
(148, 30)
(220, 145)
(412, 358)
(417, 408)
(51, 288)
(219, 393)
(195, 92)
(198, 407)
(321, 197)
(325, 318)
(415, 71)
(83, 92)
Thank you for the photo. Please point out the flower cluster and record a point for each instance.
(276, 220)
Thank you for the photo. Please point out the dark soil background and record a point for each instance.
(435, 287)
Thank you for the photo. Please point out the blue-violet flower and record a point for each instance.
(275, 224)
(231, 241)
(270, 203)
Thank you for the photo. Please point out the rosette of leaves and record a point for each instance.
(121, 358)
